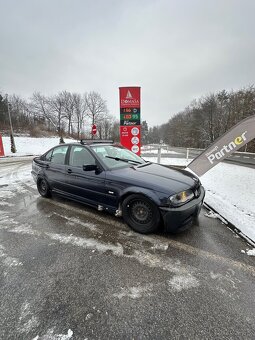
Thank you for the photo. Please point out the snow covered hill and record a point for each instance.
(30, 146)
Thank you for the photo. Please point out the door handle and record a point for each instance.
(69, 171)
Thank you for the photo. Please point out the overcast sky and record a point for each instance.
(175, 50)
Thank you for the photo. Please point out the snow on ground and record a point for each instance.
(30, 146)
(251, 252)
(12, 182)
(169, 161)
(51, 336)
(230, 189)
(163, 150)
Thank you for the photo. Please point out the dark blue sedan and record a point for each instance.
(112, 178)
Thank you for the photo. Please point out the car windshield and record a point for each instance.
(117, 156)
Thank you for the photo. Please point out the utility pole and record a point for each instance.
(13, 147)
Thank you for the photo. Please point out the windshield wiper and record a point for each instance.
(143, 164)
(123, 160)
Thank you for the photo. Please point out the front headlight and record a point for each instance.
(181, 198)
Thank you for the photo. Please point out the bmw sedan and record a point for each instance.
(111, 178)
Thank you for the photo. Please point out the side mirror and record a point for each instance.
(90, 167)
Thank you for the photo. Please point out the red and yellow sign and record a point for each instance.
(130, 128)
(1, 147)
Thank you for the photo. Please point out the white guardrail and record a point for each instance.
(190, 153)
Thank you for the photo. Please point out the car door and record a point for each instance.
(55, 168)
(88, 186)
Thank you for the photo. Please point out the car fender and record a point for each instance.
(142, 191)
(41, 175)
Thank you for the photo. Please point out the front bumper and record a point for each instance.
(181, 218)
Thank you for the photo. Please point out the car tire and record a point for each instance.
(141, 214)
(43, 188)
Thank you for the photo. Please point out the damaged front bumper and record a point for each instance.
(181, 218)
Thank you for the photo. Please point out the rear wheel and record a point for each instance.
(141, 214)
(43, 188)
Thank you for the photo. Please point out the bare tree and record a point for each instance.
(115, 131)
(39, 106)
(96, 107)
(207, 118)
(57, 108)
(68, 109)
(80, 109)
(21, 116)
(104, 126)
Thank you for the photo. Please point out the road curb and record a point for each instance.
(14, 159)
(232, 226)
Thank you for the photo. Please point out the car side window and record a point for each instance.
(80, 156)
(48, 155)
(59, 154)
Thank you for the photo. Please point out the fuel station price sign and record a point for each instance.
(129, 119)
(130, 122)
(130, 116)
(130, 111)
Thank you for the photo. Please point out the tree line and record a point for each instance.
(72, 114)
(206, 119)
(65, 114)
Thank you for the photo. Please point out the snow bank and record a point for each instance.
(163, 150)
(30, 146)
(230, 190)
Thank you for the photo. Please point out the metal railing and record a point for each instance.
(162, 150)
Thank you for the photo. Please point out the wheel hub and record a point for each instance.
(43, 186)
(141, 212)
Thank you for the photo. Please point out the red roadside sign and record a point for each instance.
(130, 138)
(94, 129)
(1, 147)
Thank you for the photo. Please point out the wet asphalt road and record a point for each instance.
(70, 272)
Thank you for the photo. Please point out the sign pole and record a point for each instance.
(13, 146)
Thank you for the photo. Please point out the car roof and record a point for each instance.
(95, 141)
(91, 142)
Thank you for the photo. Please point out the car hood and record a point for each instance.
(155, 177)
